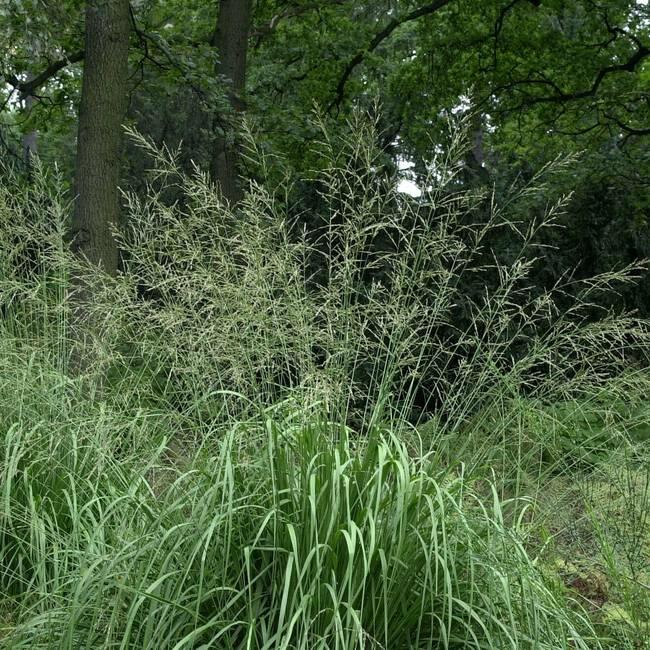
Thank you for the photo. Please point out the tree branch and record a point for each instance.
(561, 97)
(498, 25)
(145, 38)
(379, 37)
(292, 11)
(32, 85)
(629, 130)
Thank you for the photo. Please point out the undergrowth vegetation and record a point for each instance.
(358, 428)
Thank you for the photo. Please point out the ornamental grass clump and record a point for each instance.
(381, 307)
(301, 537)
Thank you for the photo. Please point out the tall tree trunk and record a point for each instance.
(231, 41)
(99, 144)
(99, 140)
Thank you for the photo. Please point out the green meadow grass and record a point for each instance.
(301, 537)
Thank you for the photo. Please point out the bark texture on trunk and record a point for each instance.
(99, 140)
(99, 147)
(231, 41)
